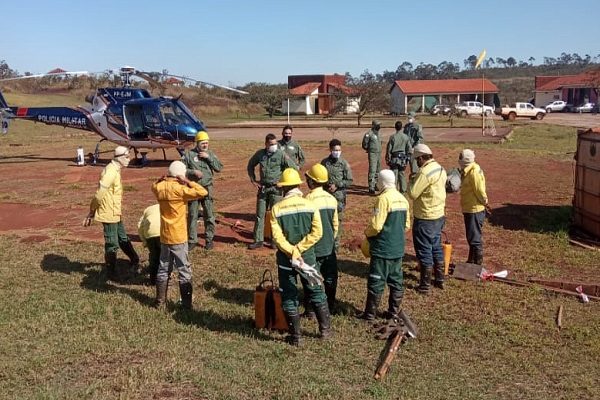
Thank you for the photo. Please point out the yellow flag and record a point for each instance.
(480, 59)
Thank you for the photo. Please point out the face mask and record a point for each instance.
(336, 154)
(287, 138)
(410, 120)
(124, 161)
(272, 148)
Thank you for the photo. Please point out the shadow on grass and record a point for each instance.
(212, 321)
(229, 295)
(532, 217)
(95, 280)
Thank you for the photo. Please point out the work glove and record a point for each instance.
(308, 272)
(88, 219)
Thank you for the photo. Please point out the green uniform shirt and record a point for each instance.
(415, 132)
(390, 219)
(293, 150)
(375, 143)
(339, 172)
(399, 143)
(327, 206)
(296, 227)
(207, 166)
(271, 166)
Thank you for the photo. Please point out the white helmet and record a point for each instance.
(121, 151)
(177, 168)
(421, 150)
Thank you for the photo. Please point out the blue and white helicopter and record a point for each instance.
(127, 116)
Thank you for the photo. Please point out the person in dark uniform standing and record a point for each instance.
(201, 164)
(339, 180)
(271, 161)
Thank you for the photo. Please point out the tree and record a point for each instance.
(374, 96)
(426, 71)
(501, 61)
(470, 62)
(267, 95)
(446, 69)
(489, 62)
(511, 62)
(531, 60)
(6, 71)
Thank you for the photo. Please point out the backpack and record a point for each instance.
(453, 181)
(366, 140)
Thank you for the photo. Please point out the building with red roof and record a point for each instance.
(573, 89)
(317, 94)
(422, 95)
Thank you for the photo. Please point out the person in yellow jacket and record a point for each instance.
(149, 232)
(296, 228)
(427, 188)
(316, 179)
(386, 235)
(474, 203)
(105, 207)
(173, 192)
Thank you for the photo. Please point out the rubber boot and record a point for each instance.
(438, 272)
(294, 333)
(371, 306)
(185, 289)
(394, 302)
(130, 252)
(161, 294)
(111, 266)
(425, 281)
(330, 292)
(471, 258)
(478, 257)
(324, 319)
(309, 312)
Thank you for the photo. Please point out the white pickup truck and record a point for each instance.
(521, 110)
(472, 108)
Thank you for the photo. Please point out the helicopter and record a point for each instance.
(127, 115)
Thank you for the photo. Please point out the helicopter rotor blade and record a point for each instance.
(45, 75)
(185, 78)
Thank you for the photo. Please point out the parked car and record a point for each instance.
(587, 107)
(442, 109)
(472, 108)
(555, 106)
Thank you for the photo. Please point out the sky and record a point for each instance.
(236, 42)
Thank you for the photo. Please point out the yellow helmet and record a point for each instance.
(318, 173)
(365, 247)
(289, 177)
(201, 136)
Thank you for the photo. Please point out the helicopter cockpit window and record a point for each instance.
(173, 115)
(188, 112)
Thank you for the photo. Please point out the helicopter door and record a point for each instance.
(134, 122)
(152, 124)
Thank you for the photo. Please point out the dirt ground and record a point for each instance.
(45, 196)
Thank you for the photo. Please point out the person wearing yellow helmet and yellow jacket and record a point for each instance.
(316, 179)
(105, 207)
(201, 164)
(386, 235)
(296, 228)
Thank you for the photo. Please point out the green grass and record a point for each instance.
(67, 333)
